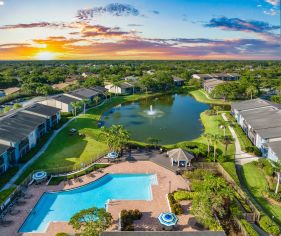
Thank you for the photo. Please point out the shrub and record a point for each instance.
(183, 195)
(253, 149)
(128, 218)
(249, 228)
(197, 174)
(276, 197)
(62, 234)
(269, 226)
(175, 206)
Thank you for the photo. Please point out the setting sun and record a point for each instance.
(45, 56)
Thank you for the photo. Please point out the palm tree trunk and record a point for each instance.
(278, 182)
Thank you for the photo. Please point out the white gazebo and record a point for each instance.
(180, 157)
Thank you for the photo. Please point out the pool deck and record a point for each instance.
(150, 209)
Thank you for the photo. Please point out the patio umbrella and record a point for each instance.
(112, 155)
(168, 219)
(39, 176)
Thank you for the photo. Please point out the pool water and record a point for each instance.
(61, 206)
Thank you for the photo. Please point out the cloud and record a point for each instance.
(156, 12)
(237, 24)
(135, 25)
(2, 3)
(102, 31)
(273, 2)
(114, 9)
(42, 24)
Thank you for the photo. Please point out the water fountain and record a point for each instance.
(153, 112)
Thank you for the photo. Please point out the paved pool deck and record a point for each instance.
(167, 181)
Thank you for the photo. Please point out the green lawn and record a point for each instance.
(201, 96)
(257, 184)
(211, 124)
(67, 151)
(5, 194)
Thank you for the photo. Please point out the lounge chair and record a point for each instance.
(5, 223)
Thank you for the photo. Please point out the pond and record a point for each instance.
(169, 118)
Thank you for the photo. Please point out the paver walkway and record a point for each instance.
(41, 151)
(241, 157)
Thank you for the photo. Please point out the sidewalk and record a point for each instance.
(41, 151)
(241, 157)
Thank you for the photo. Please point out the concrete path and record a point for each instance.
(41, 151)
(241, 157)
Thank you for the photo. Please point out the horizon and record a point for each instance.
(140, 30)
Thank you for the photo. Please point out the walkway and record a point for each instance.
(241, 157)
(41, 151)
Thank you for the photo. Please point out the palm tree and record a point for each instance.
(226, 140)
(97, 99)
(223, 125)
(215, 140)
(209, 140)
(116, 137)
(85, 102)
(251, 91)
(277, 166)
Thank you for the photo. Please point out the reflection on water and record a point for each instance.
(170, 118)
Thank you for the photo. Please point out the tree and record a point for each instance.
(215, 140)
(17, 106)
(251, 91)
(116, 137)
(96, 99)
(7, 109)
(195, 82)
(208, 138)
(75, 106)
(227, 140)
(91, 222)
(277, 166)
(217, 109)
(85, 102)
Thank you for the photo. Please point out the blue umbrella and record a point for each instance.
(168, 219)
(112, 155)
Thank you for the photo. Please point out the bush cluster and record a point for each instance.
(197, 149)
(269, 226)
(197, 174)
(175, 206)
(265, 165)
(127, 219)
(62, 234)
(276, 197)
(183, 195)
(249, 228)
(254, 150)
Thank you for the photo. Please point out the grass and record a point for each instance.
(6, 176)
(256, 183)
(70, 152)
(242, 137)
(211, 124)
(5, 194)
(201, 96)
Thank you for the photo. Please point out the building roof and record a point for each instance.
(270, 121)
(83, 93)
(19, 125)
(3, 148)
(126, 85)
(99, 89)
(177, 79)
(250, 104)
(43, 109)
(259, 113)
(163, 233)
(268, 133)
(65, 99)
(213, 83)
(275, 147)
(179, 154)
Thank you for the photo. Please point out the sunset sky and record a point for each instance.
(139, 29)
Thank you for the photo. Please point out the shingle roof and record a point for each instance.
(275, 147)
(213, 82)
(65, 99)
(3, 148)
(267, 133)
(269, 121)
(250, 104)
(43, 109)
(99, 89)
(175, 78)
(84, 93)
(179, 154)
(19, 125)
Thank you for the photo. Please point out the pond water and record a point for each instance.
(169, 118)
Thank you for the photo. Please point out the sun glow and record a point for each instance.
(45, 55)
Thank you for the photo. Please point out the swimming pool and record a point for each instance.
(61, 206)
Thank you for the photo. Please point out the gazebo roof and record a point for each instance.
(179, 154)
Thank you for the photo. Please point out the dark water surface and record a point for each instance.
(175, 118)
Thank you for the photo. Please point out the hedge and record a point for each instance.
(183, 195)
(175, 206)
(268, 225)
